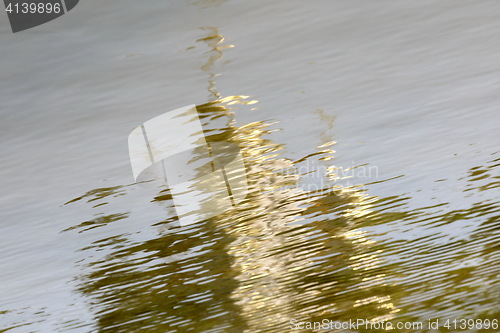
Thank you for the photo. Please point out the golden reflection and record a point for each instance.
(285, 252)
(214, 41)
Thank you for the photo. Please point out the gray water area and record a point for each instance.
(408, 89)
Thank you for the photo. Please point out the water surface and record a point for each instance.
(370, 138)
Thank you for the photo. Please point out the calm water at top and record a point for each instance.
(371, 143)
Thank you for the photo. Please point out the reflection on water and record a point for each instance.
(214, 41)
(287, 252)
(305, 244)
(283, 253)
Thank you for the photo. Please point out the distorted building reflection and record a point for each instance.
(281, 254)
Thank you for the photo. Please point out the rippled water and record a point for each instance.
(370, 141)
